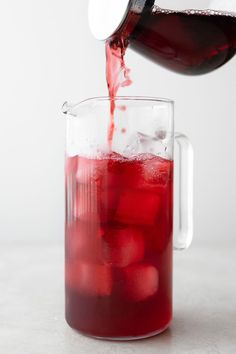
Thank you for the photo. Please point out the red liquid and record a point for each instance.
(192, 42)
(117, 75)
(119, 245)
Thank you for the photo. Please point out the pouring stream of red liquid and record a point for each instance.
(117, 75)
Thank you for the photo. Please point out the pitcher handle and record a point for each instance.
(185, 180)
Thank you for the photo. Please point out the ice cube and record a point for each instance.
(102, 172)
(92, 203)
(91, 171)
(89, 279)
(160, 134)
(137, 207)
(85, 203)
(83, 241)
(122, 247)
(153, 144)
(98, 183)
(147, 172)
(133, 147)
(157, 171)
(140, 282)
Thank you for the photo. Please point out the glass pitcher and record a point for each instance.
(191, 37)
(119, 216)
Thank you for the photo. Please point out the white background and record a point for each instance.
(48, 56)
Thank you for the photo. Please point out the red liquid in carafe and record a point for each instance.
(191, 42)
(119, 245)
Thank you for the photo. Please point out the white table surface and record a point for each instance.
(32, 305)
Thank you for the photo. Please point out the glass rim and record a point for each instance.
(67, 107)
(128, 98)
